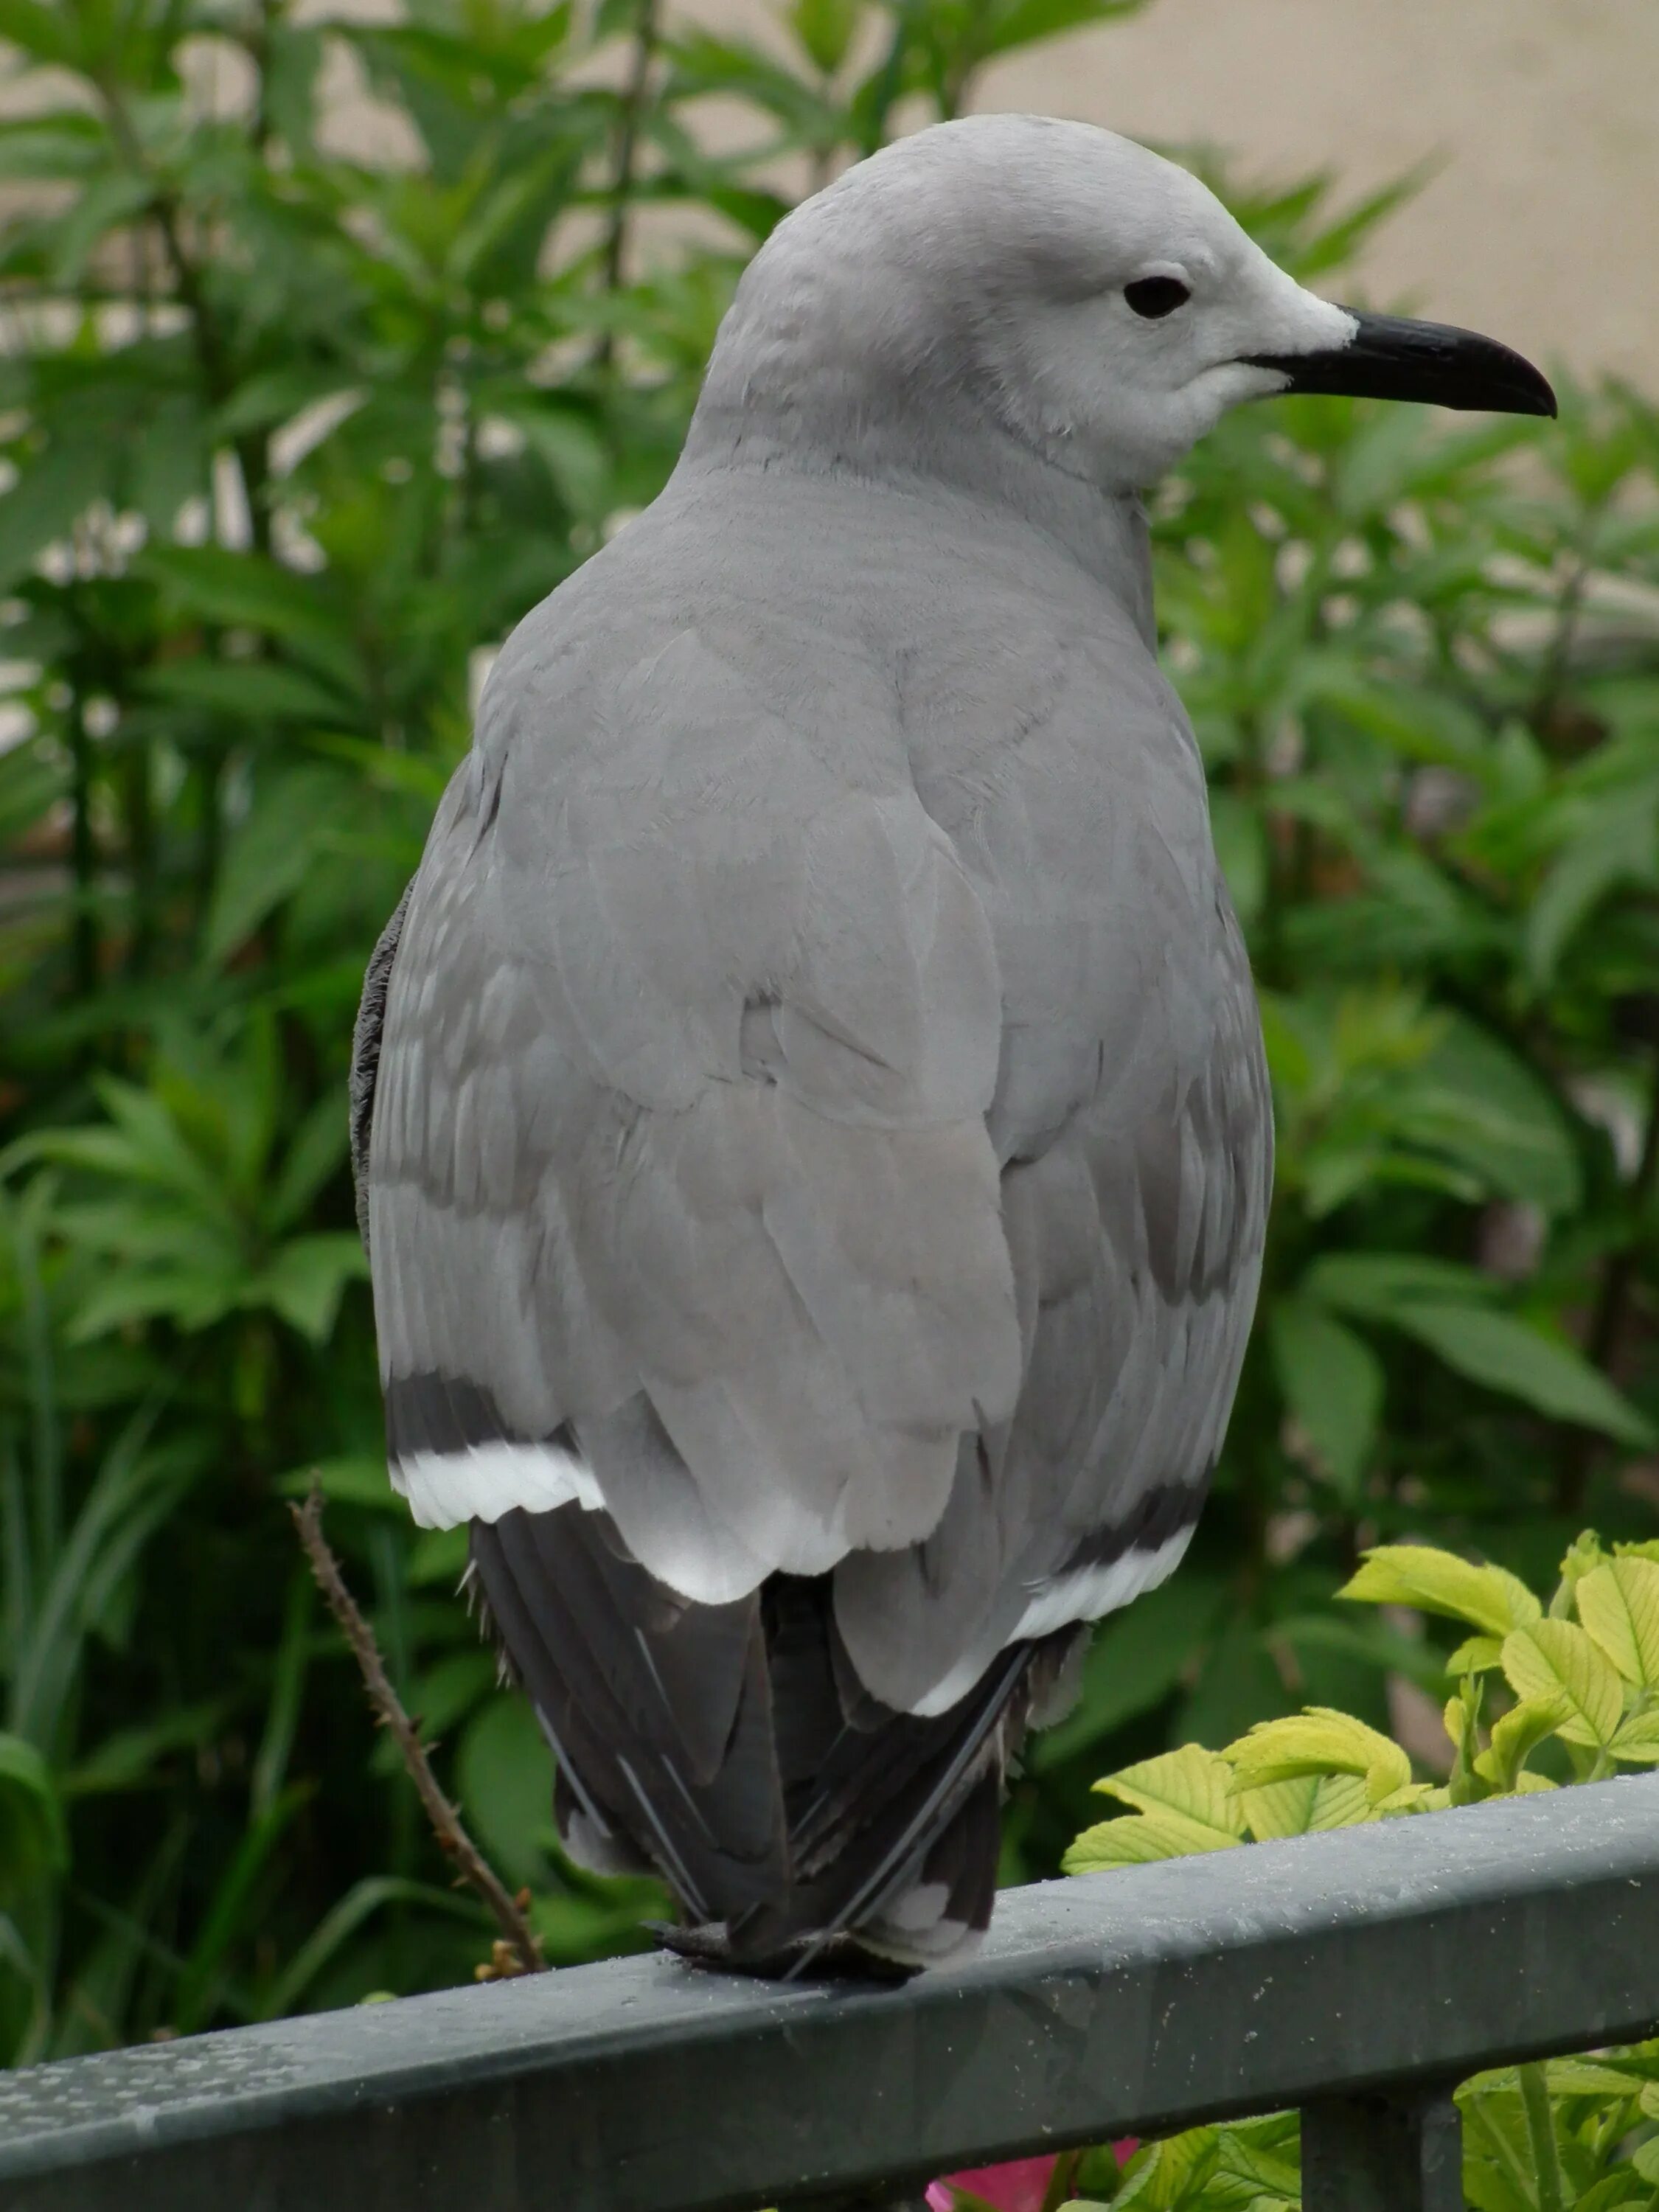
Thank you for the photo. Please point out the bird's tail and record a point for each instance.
(731, 1749)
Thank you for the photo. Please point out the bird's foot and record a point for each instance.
(838, 1958)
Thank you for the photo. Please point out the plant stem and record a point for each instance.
(629, 115)
(519, 1953)
(212, 353)
(140, 854)
(83, 858)
(1540, 2135)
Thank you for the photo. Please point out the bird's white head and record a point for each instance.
(1096, 303)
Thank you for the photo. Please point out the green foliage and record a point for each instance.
(1581, 1677)
(291, 432)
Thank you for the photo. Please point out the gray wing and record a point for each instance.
(756, 1194)
(1134, 1121)
(1137, 1248)
(712, 1181)
(682, 1200)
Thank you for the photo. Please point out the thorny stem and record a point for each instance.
(630, 115)
(519, 1953)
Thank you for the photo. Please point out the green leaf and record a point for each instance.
(1637, 1739)
(268, 855)
(1136, 1658)
(127, 1760)
(1478, 1101)
(358, 1479)
(46, 33)
(1507, 1356)
(1515, 1735)
(1384, 1286)
(825, 29)
(1621, 846)
(504, 1779)
(1274, 2180)
(1190, 1788)
(1183, 1804)
(304, 1281)
(1476, 1655)
(1619, 1606)
(366, 1896)
(53, 490)
(1024, 23)
(1319, 1740)
(247, 692)
(1553, 1661)
(1489, 1598)
(1170, 2176)
(32, 1840)
(1308, 1805)
(1332, 1382)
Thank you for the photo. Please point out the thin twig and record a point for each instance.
(519, 1953)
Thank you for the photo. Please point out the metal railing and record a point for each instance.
(1358, 1975)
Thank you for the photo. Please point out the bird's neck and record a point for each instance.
(951, 450)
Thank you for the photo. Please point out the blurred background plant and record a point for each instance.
(290, 436)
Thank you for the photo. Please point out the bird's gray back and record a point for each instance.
(821, 1067)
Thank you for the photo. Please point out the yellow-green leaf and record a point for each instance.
(1526, 1782)
(1281, 1808)
(1619, 1606)
(1487, 1598)
(1554, 1661)
(1138, 1840)
(1476, 1655)
(1341, 1802)
(1319, 1741)
(1191, 1789)
(1590, 2077)
(1307, 1805)
(1637, 1739)
(1517, 1736)
(1415, 1797)
(1583, 1554)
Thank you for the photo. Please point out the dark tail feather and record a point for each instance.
(947, 1902)
(733, 1749)
(660, 1713)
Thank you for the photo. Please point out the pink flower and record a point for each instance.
(1020, 2186)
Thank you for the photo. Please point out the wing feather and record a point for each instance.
(768, 1178)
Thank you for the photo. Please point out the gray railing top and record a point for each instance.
(1413, 1950)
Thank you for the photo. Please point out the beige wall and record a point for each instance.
(1541, 227)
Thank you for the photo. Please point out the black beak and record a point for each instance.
(1389, 357)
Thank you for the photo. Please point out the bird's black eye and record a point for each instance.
(1153, 296)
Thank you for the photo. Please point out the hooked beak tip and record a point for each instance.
(1394, 357)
